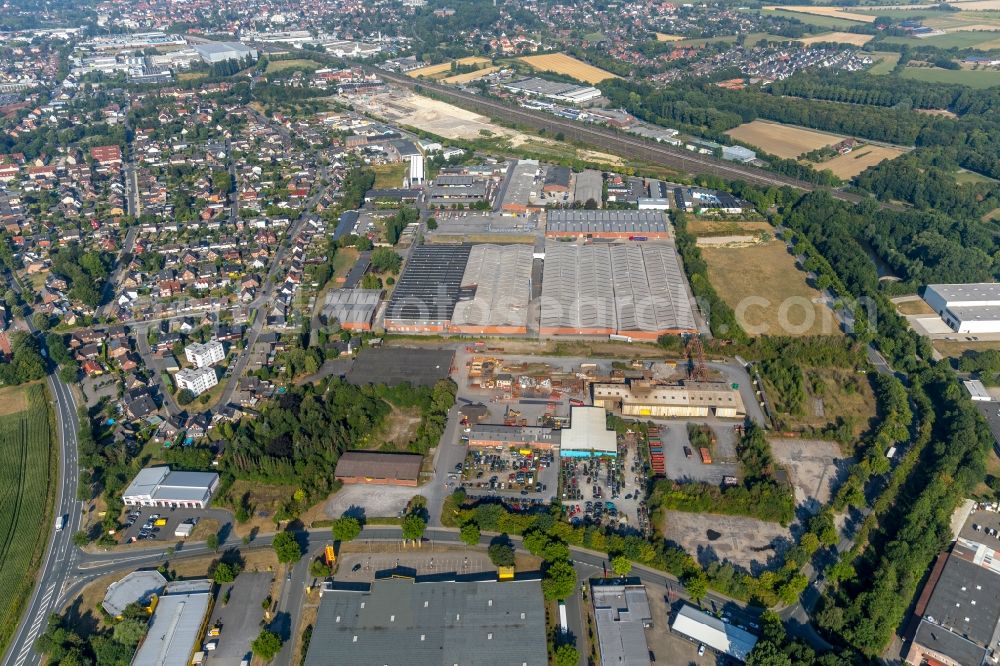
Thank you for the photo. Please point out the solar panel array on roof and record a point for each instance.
(500, 276)
(428, 288)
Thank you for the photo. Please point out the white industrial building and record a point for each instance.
(738, 154)
(159, 486)
(416, 170)
(966, 308)
(204, 355)
(588, 434)
(213, 52)
(177, 625)
(196, 380)
(721, 636)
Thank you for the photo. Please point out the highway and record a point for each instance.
(61, 556)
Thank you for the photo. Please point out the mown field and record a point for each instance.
(963, 39)
(767, 290)
(984, 78)
(835, 12)
(829, 22)
(852, 38)
(782, 140)
(297, 63)
(884, 63)
(444, 68)
(850, 165)
(25, 502)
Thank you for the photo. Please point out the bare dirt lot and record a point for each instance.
(815, 467)
(746, 542)
(775, 300)
(782, 140)
(850, 165)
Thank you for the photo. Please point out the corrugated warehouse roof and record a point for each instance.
(175, 629)
(577, 290)
(399, 622)
(713, 632)
(374, 465)
(500, 276)
(650, 291)
(137, 586)
(624, 222)
(351, 306)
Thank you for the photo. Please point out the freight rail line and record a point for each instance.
(609, 140)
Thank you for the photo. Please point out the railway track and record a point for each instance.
(607, 139)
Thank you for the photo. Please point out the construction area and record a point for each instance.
(637, 291)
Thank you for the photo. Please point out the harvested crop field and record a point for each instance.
(838, 37)
(560, 63)
(661, 37)
(782, 140)
(836, 12)
(433, 71)
(470, 76)
(767, 290)
(850, 165)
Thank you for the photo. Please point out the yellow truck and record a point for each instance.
(160, 522)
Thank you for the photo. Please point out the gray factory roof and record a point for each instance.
(622, 612)
(976, 312)
(161, 483)
(458, 180)
(428, 288)
(543, 86)
(965, 599)
(622, 287)
(138, 586)
(351, 306)
(650, 294)
(957, 294)
(175, 628)
(636, 222)
(577, 290)
(496, 286)
(959, 648)
(515, 434)
(520, 183)
(219, 48)
(589, 184)
(472, 190)
(400, 622)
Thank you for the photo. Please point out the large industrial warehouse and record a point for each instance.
(689, 398)
(966, 308)
(612, 224)
(633, 290)
(495, 291)
(428, 289)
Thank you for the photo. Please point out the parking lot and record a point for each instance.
(509, 472)
(238, 613)
(140, 525)
(607, 491)
(684, 465)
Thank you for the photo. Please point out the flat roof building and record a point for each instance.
(613, 224)
(966, 308)
(177, 625)
(393, 469)
(622, 614)
(959, 607)
(425, 295)
(721, 636)
(138, 587)
(204, 355)
(159, 486)
(495, 291)
(196, 380)
(562, 92)
(398, 622)
(557, 179)
(353, 309)
(638, 290)
(589, 186)
(213, 52)
(588, 434)
(486, 434)
(521, 185)
(686, 399)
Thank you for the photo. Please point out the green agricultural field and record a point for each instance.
(830, 22)
(884, 63)
(968, 39)
(751, 39)
(986, 78)
(26, 490)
